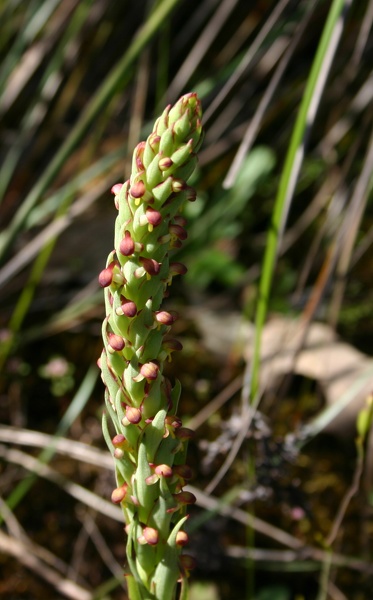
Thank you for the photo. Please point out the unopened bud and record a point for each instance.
(178, 185)
(164, 317)
(133, 414)
(151, 536)
(137, 190)
(119, 440)
(116, 342)
(151, 266)
(105, 278)
(118, 453)
(127, 308)
(180, 220)
(154, 140)
(184, 434)
(116, 188)
(173, 421)
(178, 231)
(149, 370)
(177, 268)
(182, 538)
(185, 498)
(163, 470)
(127, 245)
(172, 345)
(119, 494)
(165, 163)
(153, 216)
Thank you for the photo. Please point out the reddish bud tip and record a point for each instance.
(118, 440)
(151, 535)
(153, 216)
(185, 498)
(151, 266)
(172, 345)
(119, 494)
(177, 268)
(154, 140)
(184, 434)
(182, 538)
(165, 163)
(163, 470)
(116, 342)
(173, 421)
(137, 190)
(180, 220)
(127, 245)
(133, 414)
(116, 188)
(106, 276)
(127, 308)
(149, 371)
(139, 153)
(164, 317)
(178, 231)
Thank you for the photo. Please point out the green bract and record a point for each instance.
(149, 444)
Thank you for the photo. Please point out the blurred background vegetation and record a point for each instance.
(284, 492)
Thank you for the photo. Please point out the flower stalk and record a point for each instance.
(146, 437)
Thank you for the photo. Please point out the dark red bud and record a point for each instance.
(185, 498)
(184, 434)
(183, 471)
(172, 345)
(177, 268)
(127, 245)
(180, 220)
(178, 231)
(175, 243)
(151, 266)
(106, 276)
